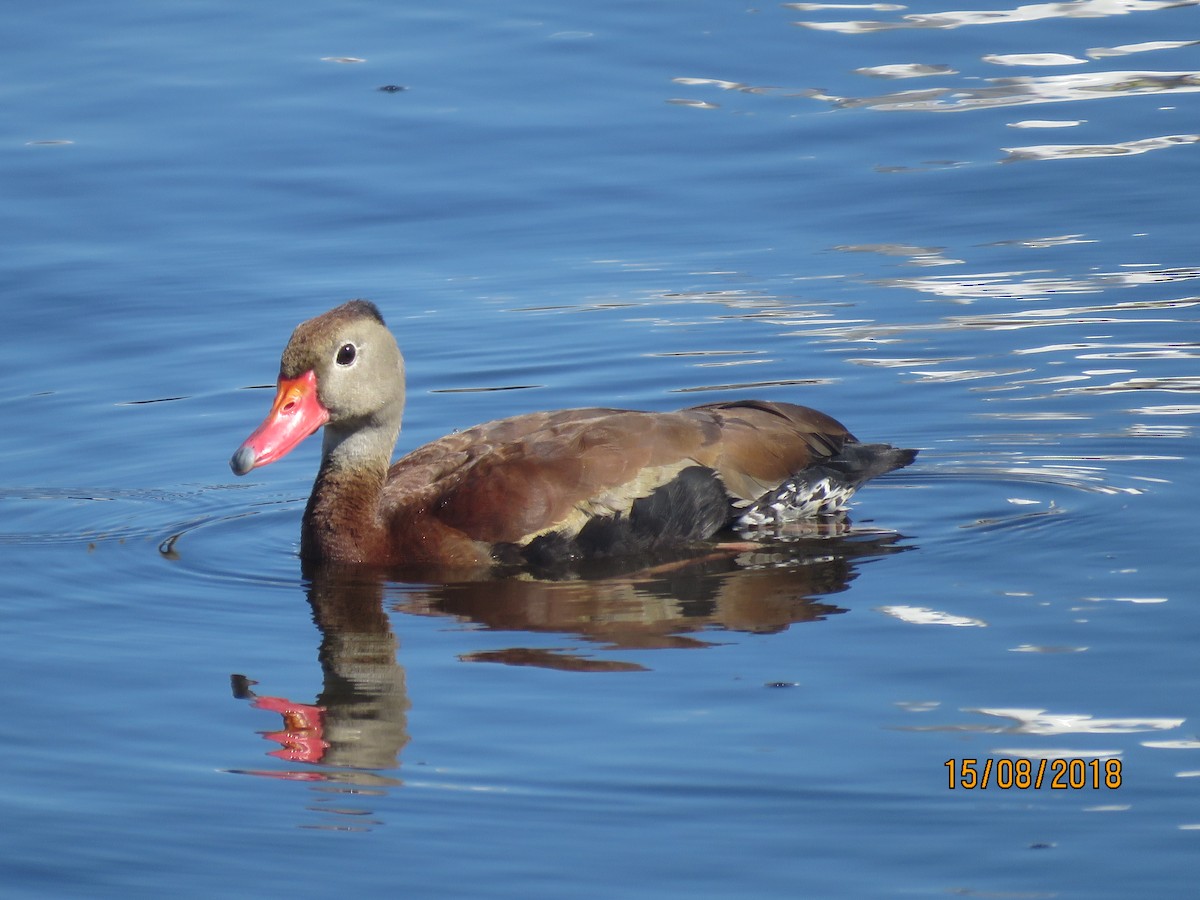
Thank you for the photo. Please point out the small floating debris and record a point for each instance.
(343, 59)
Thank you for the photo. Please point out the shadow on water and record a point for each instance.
(358, 724)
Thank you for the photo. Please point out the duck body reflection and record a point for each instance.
(358, 724)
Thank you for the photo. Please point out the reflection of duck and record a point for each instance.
(663, 606)
(358, 724)
(537, 487)
(360, 719)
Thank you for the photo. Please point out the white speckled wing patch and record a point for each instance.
(794, 500)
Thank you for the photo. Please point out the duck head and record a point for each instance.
(342, 371)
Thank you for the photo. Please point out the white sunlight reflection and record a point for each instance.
(1080, 9)
(1025, 91)
(921, 615)
(1039, 721)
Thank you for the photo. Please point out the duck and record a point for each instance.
(530, 489)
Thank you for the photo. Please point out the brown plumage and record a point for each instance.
(537, 487)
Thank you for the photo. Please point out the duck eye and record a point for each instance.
(346, 354)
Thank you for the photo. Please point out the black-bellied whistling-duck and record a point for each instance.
(533, 488)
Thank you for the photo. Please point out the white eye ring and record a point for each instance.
(346, 355)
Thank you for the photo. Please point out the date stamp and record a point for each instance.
(1074, 774)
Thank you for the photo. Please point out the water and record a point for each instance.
(991, 258)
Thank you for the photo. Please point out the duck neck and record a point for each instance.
(344, 521)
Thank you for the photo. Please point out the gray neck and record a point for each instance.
(365, 445)
(362, 450)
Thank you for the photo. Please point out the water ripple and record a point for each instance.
(1025, 91)
(1045, 723)
(1079, 151)
(192, 528)
(1073, 9)
(92, 516)
(1082, 475)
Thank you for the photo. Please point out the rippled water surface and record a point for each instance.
(966, 230)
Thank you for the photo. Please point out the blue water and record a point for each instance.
(649, 205)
